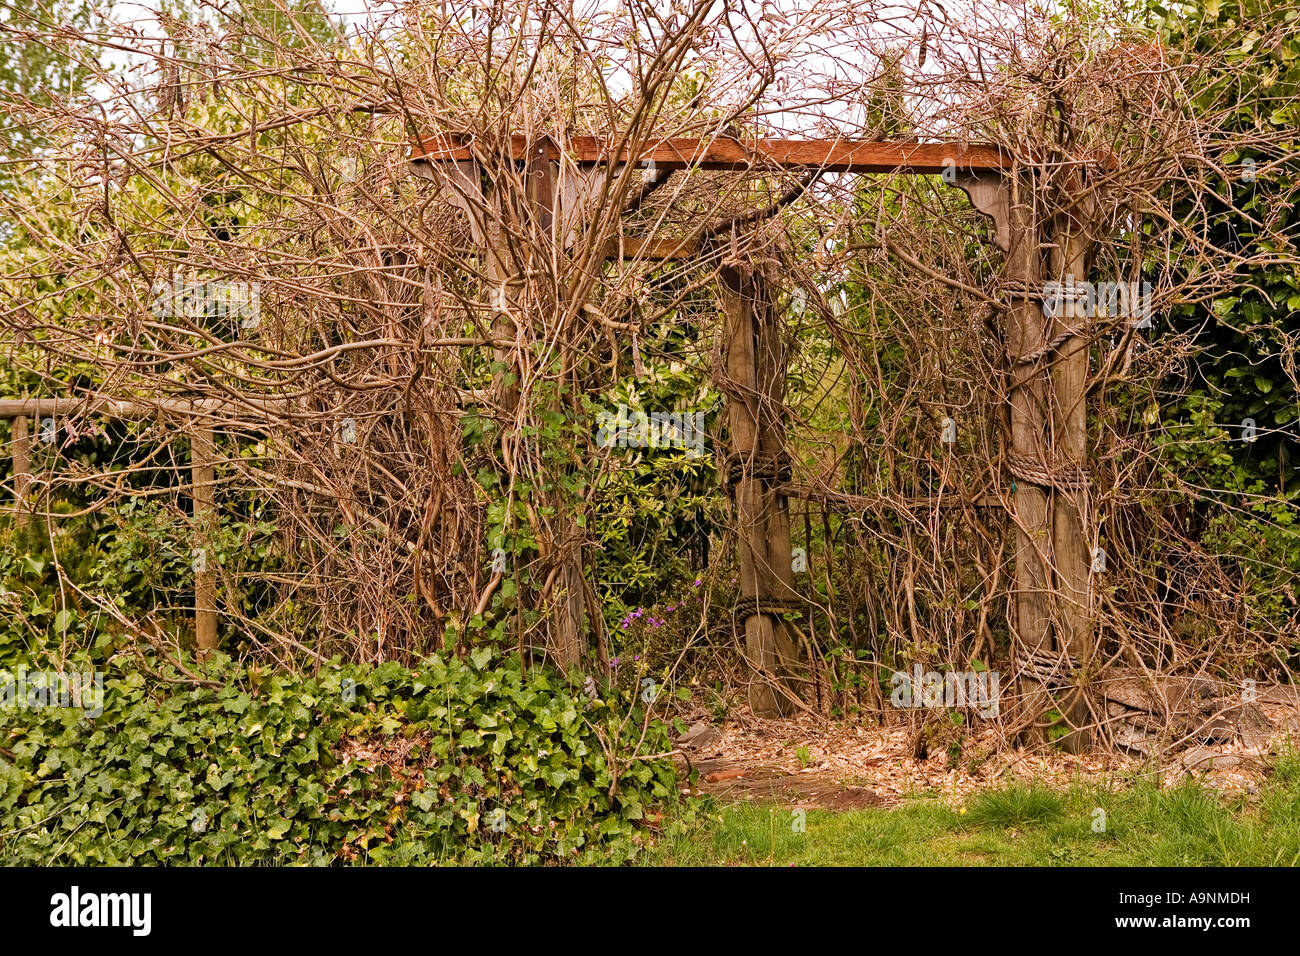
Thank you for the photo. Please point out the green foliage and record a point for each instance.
(36, 615)
(146, 555)
(654, 510)
(1224, 427)
(1244, 337)
(134, 556)
(38, 72)
(454, 761)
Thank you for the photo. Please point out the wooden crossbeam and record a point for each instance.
(110, 408)
(652, 247)
(208, 409)
(828, 155)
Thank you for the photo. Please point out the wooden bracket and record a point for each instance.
(989, 194)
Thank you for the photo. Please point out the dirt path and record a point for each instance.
(806, 762)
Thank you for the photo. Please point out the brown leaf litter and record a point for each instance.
(1165, 732)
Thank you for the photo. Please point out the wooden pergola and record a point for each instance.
(1046, 382)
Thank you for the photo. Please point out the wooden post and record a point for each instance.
(569, 594)
(22, 468)
(1026, 333)
(777, 575)
(752, 361)
(1070, 518)
(560, 540)
(1051, 615)
(516, 232)
(202, 476)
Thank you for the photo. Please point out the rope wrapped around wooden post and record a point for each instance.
(1052, 669)
(775, 607)
(1047, 348)
(774, 468)
(1014, 289)
(1059, 297)
(1062, 476)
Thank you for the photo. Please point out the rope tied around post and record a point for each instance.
(1061, 476)
(1015, 289)
(1053, 300)
(772, 467)
(1047, 348)
(773, 607)
(1052, 669)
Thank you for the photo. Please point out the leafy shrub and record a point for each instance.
(453, 761)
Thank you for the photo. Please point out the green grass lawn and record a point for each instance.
(1020, 826)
